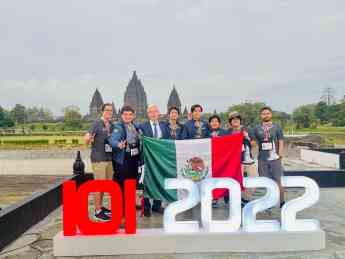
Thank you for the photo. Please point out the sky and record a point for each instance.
(217, 53)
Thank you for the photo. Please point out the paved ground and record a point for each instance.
(37, 242)
(17, 182)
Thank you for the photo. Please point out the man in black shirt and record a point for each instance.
(101, 156)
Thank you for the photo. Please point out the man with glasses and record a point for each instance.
(101, 156)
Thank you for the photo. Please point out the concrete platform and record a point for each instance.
(156, 241)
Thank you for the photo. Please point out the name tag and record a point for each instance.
(108, 148)
(134, 151)
(267, 146)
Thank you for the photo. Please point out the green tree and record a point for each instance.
(72, 117)
(322, 112)
(35, 114)
(249, 111)
(18, 114)
(5, 119)
(338, 114)
(281, 118)
(304, 116)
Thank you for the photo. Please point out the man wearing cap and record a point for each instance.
(196, 128)
(248, 164)
(270, 139)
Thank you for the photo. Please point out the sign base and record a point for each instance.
(156, 241)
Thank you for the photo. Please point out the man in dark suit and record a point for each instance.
(196, 128)
(154, 129)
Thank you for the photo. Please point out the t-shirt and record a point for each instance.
(258, 134)
(98, 152)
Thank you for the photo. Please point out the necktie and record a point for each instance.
(155, 130)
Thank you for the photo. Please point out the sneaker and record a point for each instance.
(101, 216)
(147, 213)
(215, 204)
(106, 211)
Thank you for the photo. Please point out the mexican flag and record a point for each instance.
(195, 159)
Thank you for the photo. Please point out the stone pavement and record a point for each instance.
(37, 242)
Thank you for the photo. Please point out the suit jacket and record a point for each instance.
(179, 131)
(189, 130)
(146, 129)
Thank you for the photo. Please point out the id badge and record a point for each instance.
(108, 148)
(267, 146)
(134, 151)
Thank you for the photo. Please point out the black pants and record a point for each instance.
(128, 170)
(157, 204)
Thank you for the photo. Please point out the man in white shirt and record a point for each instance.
(153, 128)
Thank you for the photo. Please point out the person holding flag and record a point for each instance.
(248, 163)
(196, 128)
(153, 128)
(175, 128)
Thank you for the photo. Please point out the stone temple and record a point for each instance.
(95, 105)
(136, 97)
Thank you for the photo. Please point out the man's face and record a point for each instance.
(214, 124)
(107, 112)
(173, 115)
(153, 113)
(266, 115)
(127, 116)
(197, 113)
(235, 123)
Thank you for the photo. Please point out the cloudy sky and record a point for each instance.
(282, 52)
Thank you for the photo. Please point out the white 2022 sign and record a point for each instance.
(249, 222)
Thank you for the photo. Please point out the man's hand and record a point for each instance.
(122, 144)
(89, 138)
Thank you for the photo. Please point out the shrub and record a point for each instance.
(60, 141)
(27, 142)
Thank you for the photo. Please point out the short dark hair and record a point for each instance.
(196, 106)
(173, 108)
(235, 117)
(266, 108)
(215, 116)
(127, 108)
(105, 105)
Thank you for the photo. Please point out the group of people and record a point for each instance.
(115, 148)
